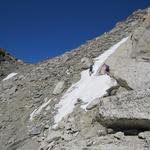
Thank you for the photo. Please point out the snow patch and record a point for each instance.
(88, 88)
(10, 76)
(38, 110)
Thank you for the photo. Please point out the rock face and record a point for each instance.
(131, 61)
(36, 90)
(127, 110)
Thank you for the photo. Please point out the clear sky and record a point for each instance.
(33, 30)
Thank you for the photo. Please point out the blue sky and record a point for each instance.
(33, 30)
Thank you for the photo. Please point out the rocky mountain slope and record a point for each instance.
(119, 119)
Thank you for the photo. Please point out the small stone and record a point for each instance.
(12, 140)
(93, 104)
(76, 134)
(39, 139)
(119, 135)
(35, 130)
(68, 127)
(53, 139)
(49, 146)
(79, 101)
(46, 127)
(110, 131)
(89, 143)
(101, 132)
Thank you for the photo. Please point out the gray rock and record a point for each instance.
(35, 130)
(123, 83)
(59, 87)
(48, 146)
(86, 62)
(101, 132)
(93, 104)
(119, 135)
(46, 126)
(68, 126)
(127, 110)
(89, 143)
(56, 138)
(131, 56)
(53, 136)
(144, 135)
(110, 131)
(111, 91)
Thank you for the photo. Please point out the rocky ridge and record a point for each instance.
(39, 87)
(9, 63)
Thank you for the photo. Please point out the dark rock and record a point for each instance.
(112, 91)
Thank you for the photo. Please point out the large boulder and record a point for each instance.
(129, 110)
(131, 61)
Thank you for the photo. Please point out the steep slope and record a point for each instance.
(28, 100)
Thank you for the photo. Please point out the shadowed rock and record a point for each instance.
(127, 110)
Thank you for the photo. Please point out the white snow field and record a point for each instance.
(88, 88)
(10, 76)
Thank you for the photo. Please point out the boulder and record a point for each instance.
(120, 82)
(131, 60)
(59, 87)
(144, 135)
(129, 110)
(119, 135)
(86, 62)
(93, 104)
(35, 130)
(111, 91)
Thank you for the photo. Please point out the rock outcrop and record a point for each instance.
(129, 110)
(131, 61)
